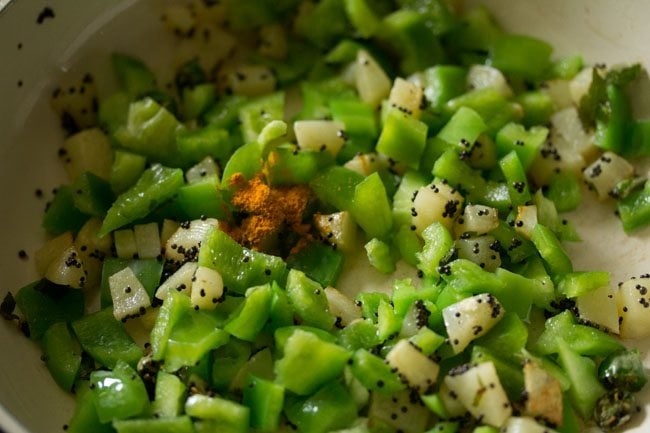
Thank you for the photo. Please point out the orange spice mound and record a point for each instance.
(269, 210)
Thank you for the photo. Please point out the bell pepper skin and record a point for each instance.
(551, 250)
(330, 408)
(94, 330)
(92, 194)
(309, 300)
(265, 400)
(155, 185)
(169, 396)
(181, 424)
(133, 76)
(62, 215)
(118, 394)
(309, 363)
(403, 138)
(319, 262)
(521, 56)
(335, 186)
(248, 320)
(371, 208)
(515, 175)
(231, 416)
(62, 355)
(44, 304)
(374, 373)
(85, 417)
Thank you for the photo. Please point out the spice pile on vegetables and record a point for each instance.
(217, 212)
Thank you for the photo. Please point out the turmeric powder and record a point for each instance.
(268, 211)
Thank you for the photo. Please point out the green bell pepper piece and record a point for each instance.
(92, 194)
(151, 130)
(284, 166)
(192, 336)
(427, 341)
(514, 137)
(220, 252)
(197, 200)
(280, 310)
(445, 427)
(362, 17)
(85, 417)
(309, 300)
(408, 244)
(118, 394)
(388, 321)
(133, 76)
(329, 409)
(265, 400)
(438, 245)
(463, 129)
(197, 99)
(565, 191)
(113, 111)
(402, 138)
(612, 133)
(538, 107)
(515, 175)
(61, 214)
(169, 396)
(155, 185)
(374, 373)
(335, 186)
(211, 140)
(105, 339)
(577, 284)
(584, 340)
(324, 24)
(248, 320)
(224, 114)
(380, 256)
(521, 56)
(359, 334)
(62, 355)
(319, 262)
(516, 246)
(126, 170)
(246, 160)
(551, 250)
(568, 67)
(508, 336)
(180, 424)
(402, 200)
(371, 208)
(408, 31)
(585, 389)
(43, 304)
(281, 335)
(230, 416)
(634, 210)
(451, 167)
(491, 105)
(510, 373)
(228, 361)
(358, 117)
(309, 363)
(474, 36)
(442, 83)
(257, 113)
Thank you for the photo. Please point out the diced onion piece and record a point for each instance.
(92, 250)
(552, 159)
(273, 41)
(450, 400)
(517, 424)
(399, 411)
(179, 19)
(406, 97)
(483, 76)
(479, 389)
(599, 307)
(207, 288)
(479, 250)
(205, 169)
(366, 163)
(67, 269)
(181, 281)
(338, 229)
(417, 370)
(169, 227)
(544, 394)
(130, 299)
(147, 239)
(471, 318)
(51, 250)
(580, 84)
(88, 150)
(183, 245)
(634, 308)
(437, 202)
(526, 220)
(606, 172)
(372, 82)
(558, 90)
(342, 307)
(477, 219)
(125, 245)
(320, 135)
(250, 80)
(567, 132)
